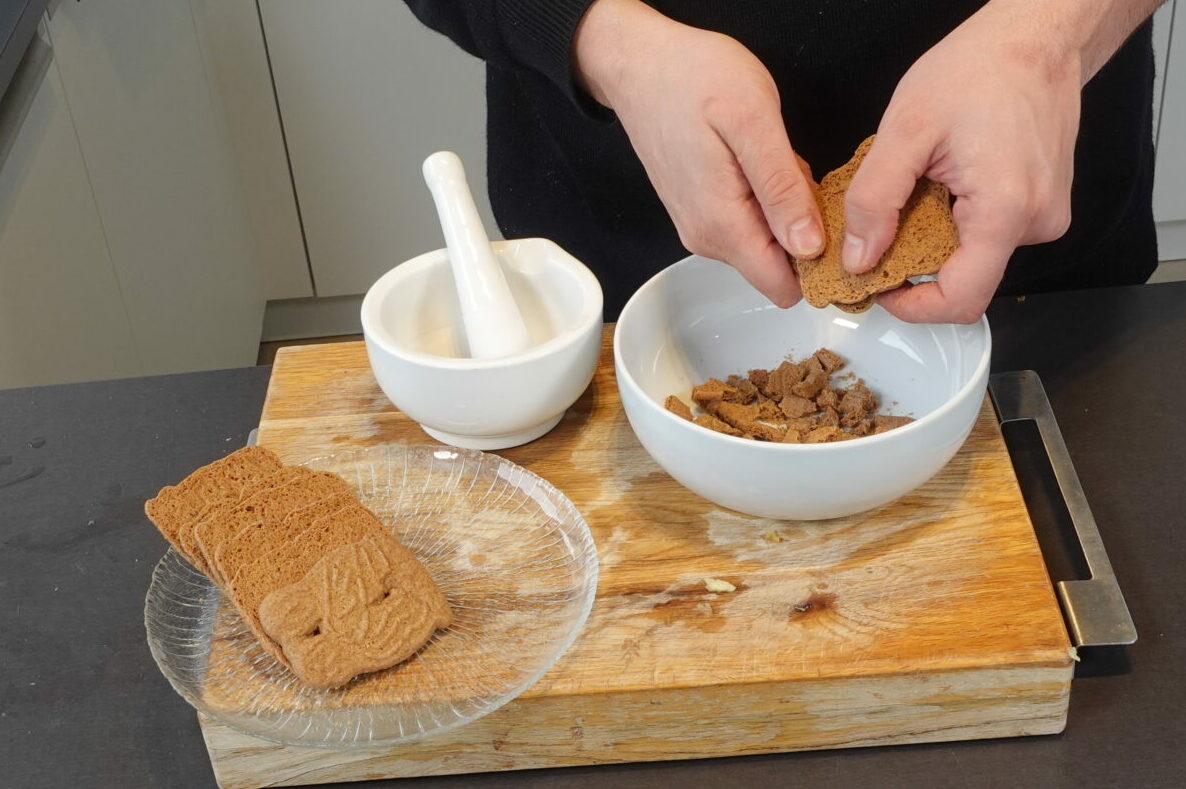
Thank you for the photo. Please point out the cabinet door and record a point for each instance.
(366, 93)
(159, 159)
(61, 313)
(1169, 183)
(237, 61)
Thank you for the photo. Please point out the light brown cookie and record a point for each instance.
(176, 508)
(926, 237)
(295, 487)
(678, 407)
(864, 305)
(262, 538)
(363, 607)
(217, 509)
(293, 559)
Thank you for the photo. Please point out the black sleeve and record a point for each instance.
(525, 34)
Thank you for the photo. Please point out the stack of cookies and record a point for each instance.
(795, 403)
(926, 237)
(326, 589)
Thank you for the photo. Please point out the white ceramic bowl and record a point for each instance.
(416, 344)
(699, 318)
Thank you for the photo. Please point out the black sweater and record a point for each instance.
(561, 167)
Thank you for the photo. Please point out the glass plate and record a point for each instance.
(512, 555)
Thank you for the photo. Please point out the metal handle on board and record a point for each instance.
(1095, 609)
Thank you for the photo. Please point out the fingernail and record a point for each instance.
(804, 239)
(853, 254)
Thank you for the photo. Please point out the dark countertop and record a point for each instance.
(18, 24)
(81, 702)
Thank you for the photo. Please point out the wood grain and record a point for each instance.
(931, 618)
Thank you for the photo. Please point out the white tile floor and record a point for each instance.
(1170, 271)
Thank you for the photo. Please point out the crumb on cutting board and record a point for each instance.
(717, 585)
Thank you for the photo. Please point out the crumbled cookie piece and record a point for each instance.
(828, 418)
(829, 360)
(768, 411)
(712, 423)
(783, 378)
(764, 432)
(862, 428)
(738, 415)
(824, 435)
(858, 397)
(884, 422)
(791, 404)
(760, 379)
(802, 425)
(792, 436)
(749, 392)
(853, 419)
(795, 406)
(812, 384)
(714, 389)
(678, 407)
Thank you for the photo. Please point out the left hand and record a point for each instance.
(992, 112)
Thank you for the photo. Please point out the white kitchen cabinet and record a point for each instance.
(1169, 184)
(366, 93)
(62, 316)
(124, 243)
(231, 37)
(159, 160)
(1163, 20)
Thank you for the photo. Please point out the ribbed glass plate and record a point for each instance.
(512, 555)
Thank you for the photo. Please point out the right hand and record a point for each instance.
(703, 116)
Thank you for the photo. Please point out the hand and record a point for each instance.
(992, 112)
(703, 116)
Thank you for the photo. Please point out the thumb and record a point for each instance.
(882, 185)
(782, 185)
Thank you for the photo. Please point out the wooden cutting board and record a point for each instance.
(931, 618)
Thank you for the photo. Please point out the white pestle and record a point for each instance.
(494, 326)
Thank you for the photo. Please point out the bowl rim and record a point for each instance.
(623, 375)
(590, 317)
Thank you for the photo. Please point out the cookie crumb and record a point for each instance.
(717, 585)
(829, 360)
(712, 423)
(768, 411)
(678, 407)
(714, 389)
(738, 415)
(764, 432)
(812, 385)
(824, 435)
(794, 403)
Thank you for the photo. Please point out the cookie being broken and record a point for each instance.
(926, 237)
